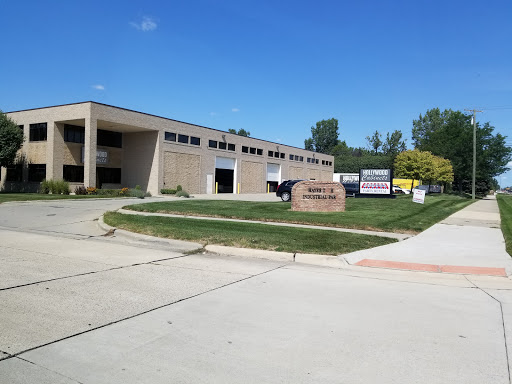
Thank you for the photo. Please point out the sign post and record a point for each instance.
(418, 196)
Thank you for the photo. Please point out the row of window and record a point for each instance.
(184, 139)
(252, 150)
(277, 155)
(296, 158)
(76, 134)
(221, 145)
(71, 173)
(325, 162)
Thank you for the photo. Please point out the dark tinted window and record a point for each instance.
(252, 150)
(231, 147)
(270, 154)
(260, 152)
(38, 132)
(195, 140)
(110, 138)
(291, 157)
(14, 173)
(36, 172)
(283, 155)
(170, 136)
(183, 139)
(222, 145)
(74, 134)
(245, 149)
(109, 175)
(212, 143)
(73, 173)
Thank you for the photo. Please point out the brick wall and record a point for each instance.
(318, 196)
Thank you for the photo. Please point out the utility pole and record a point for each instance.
(474, 151)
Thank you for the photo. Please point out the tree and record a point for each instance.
(241, 132)
(11, 140)
(394, 144)
(450, 134)
(324, 137)
(374, 142)
(416, 165)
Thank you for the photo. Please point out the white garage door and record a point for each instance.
(273, 172)
(224, 163)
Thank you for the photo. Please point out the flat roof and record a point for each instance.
(165, 118)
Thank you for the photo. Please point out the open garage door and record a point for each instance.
(225, 174)
(273, 176)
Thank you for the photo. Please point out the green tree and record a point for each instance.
(394, 144)
(241, 132)
(416, 165)
(450, 134)
(324, 137)
(374, 142)
(11, 140)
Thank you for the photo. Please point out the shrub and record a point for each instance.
(123, 191)
(108, 192)
(91, 190)
(164, 191)
(182, 194)
(80, 190)
(137, 187)
(147, 194)
(179, 188)
(45, 186)
(136, 193)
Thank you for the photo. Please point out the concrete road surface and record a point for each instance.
(78, 307)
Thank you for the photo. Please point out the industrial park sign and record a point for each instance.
(318, 196)
(375, 181)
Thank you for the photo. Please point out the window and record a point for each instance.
(21, 127)
(170, 136)
(212, 144)
(291, 157)
(270, 154)
(110, 138)
(276, 154)
(38, 132)
(245, 149)
(330, 163)
(323, 162)
(231, 147)
(109, 175)
(222, 145)
(282, 155)
(36, 172)
(316, 161)
(74, 134)
(260, 151)
(14, 173)
(252, 151)
(195, 140)
(73, 173)
(183, 139)
(301, 158)
(309, 160)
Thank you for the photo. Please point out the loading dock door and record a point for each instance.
(273, 176)
(225, 174)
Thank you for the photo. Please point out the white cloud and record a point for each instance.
(278, 140)
(147, 24)
(509, 164)
(213, 113)
(99, 87)
(235, 110)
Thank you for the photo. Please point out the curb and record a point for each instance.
(177, 245)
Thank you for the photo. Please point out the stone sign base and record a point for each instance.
(318, 196)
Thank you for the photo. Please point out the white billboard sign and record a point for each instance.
(375, 181)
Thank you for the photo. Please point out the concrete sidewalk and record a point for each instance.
(469, 238)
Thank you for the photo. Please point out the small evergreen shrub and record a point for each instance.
(136, 193)
(45, 186)
(182, 194)
(165, 191)
(179, 188)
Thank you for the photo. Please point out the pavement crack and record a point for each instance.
(16, 355)
(49, 370)
(502, 324)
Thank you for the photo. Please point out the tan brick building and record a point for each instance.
(94, 144)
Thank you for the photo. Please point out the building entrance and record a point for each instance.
(225, 174)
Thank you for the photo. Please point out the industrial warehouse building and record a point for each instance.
(94, 144)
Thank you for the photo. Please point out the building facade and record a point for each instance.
(97, 145)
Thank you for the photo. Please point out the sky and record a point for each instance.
(273, 68)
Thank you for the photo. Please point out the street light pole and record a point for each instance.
(474, 153)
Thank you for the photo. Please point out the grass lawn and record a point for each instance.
(247, 235)
(4, 197)
(505, 204)
(390, 215)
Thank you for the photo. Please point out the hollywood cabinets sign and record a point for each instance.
(101, 156)
(375, 181)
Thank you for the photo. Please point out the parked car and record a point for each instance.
(397, 189)
(351, 189)
(284, 190)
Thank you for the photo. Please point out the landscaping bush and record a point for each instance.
(80, 190)
(56, 187)
(182, 194)
(136, 193)
(45, 186)
(91, 190)
(179, 188)
(164, 191)
(108, 192)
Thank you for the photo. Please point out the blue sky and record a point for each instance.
(274, 68)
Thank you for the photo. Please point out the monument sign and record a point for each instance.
(318, 196)
(375, 181)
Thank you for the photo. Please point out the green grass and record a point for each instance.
(391, 215)
(246, 235)
(505, 205)
(4, 197)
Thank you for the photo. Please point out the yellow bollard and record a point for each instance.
(238, 188)
(268, 187)
(216, 188)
